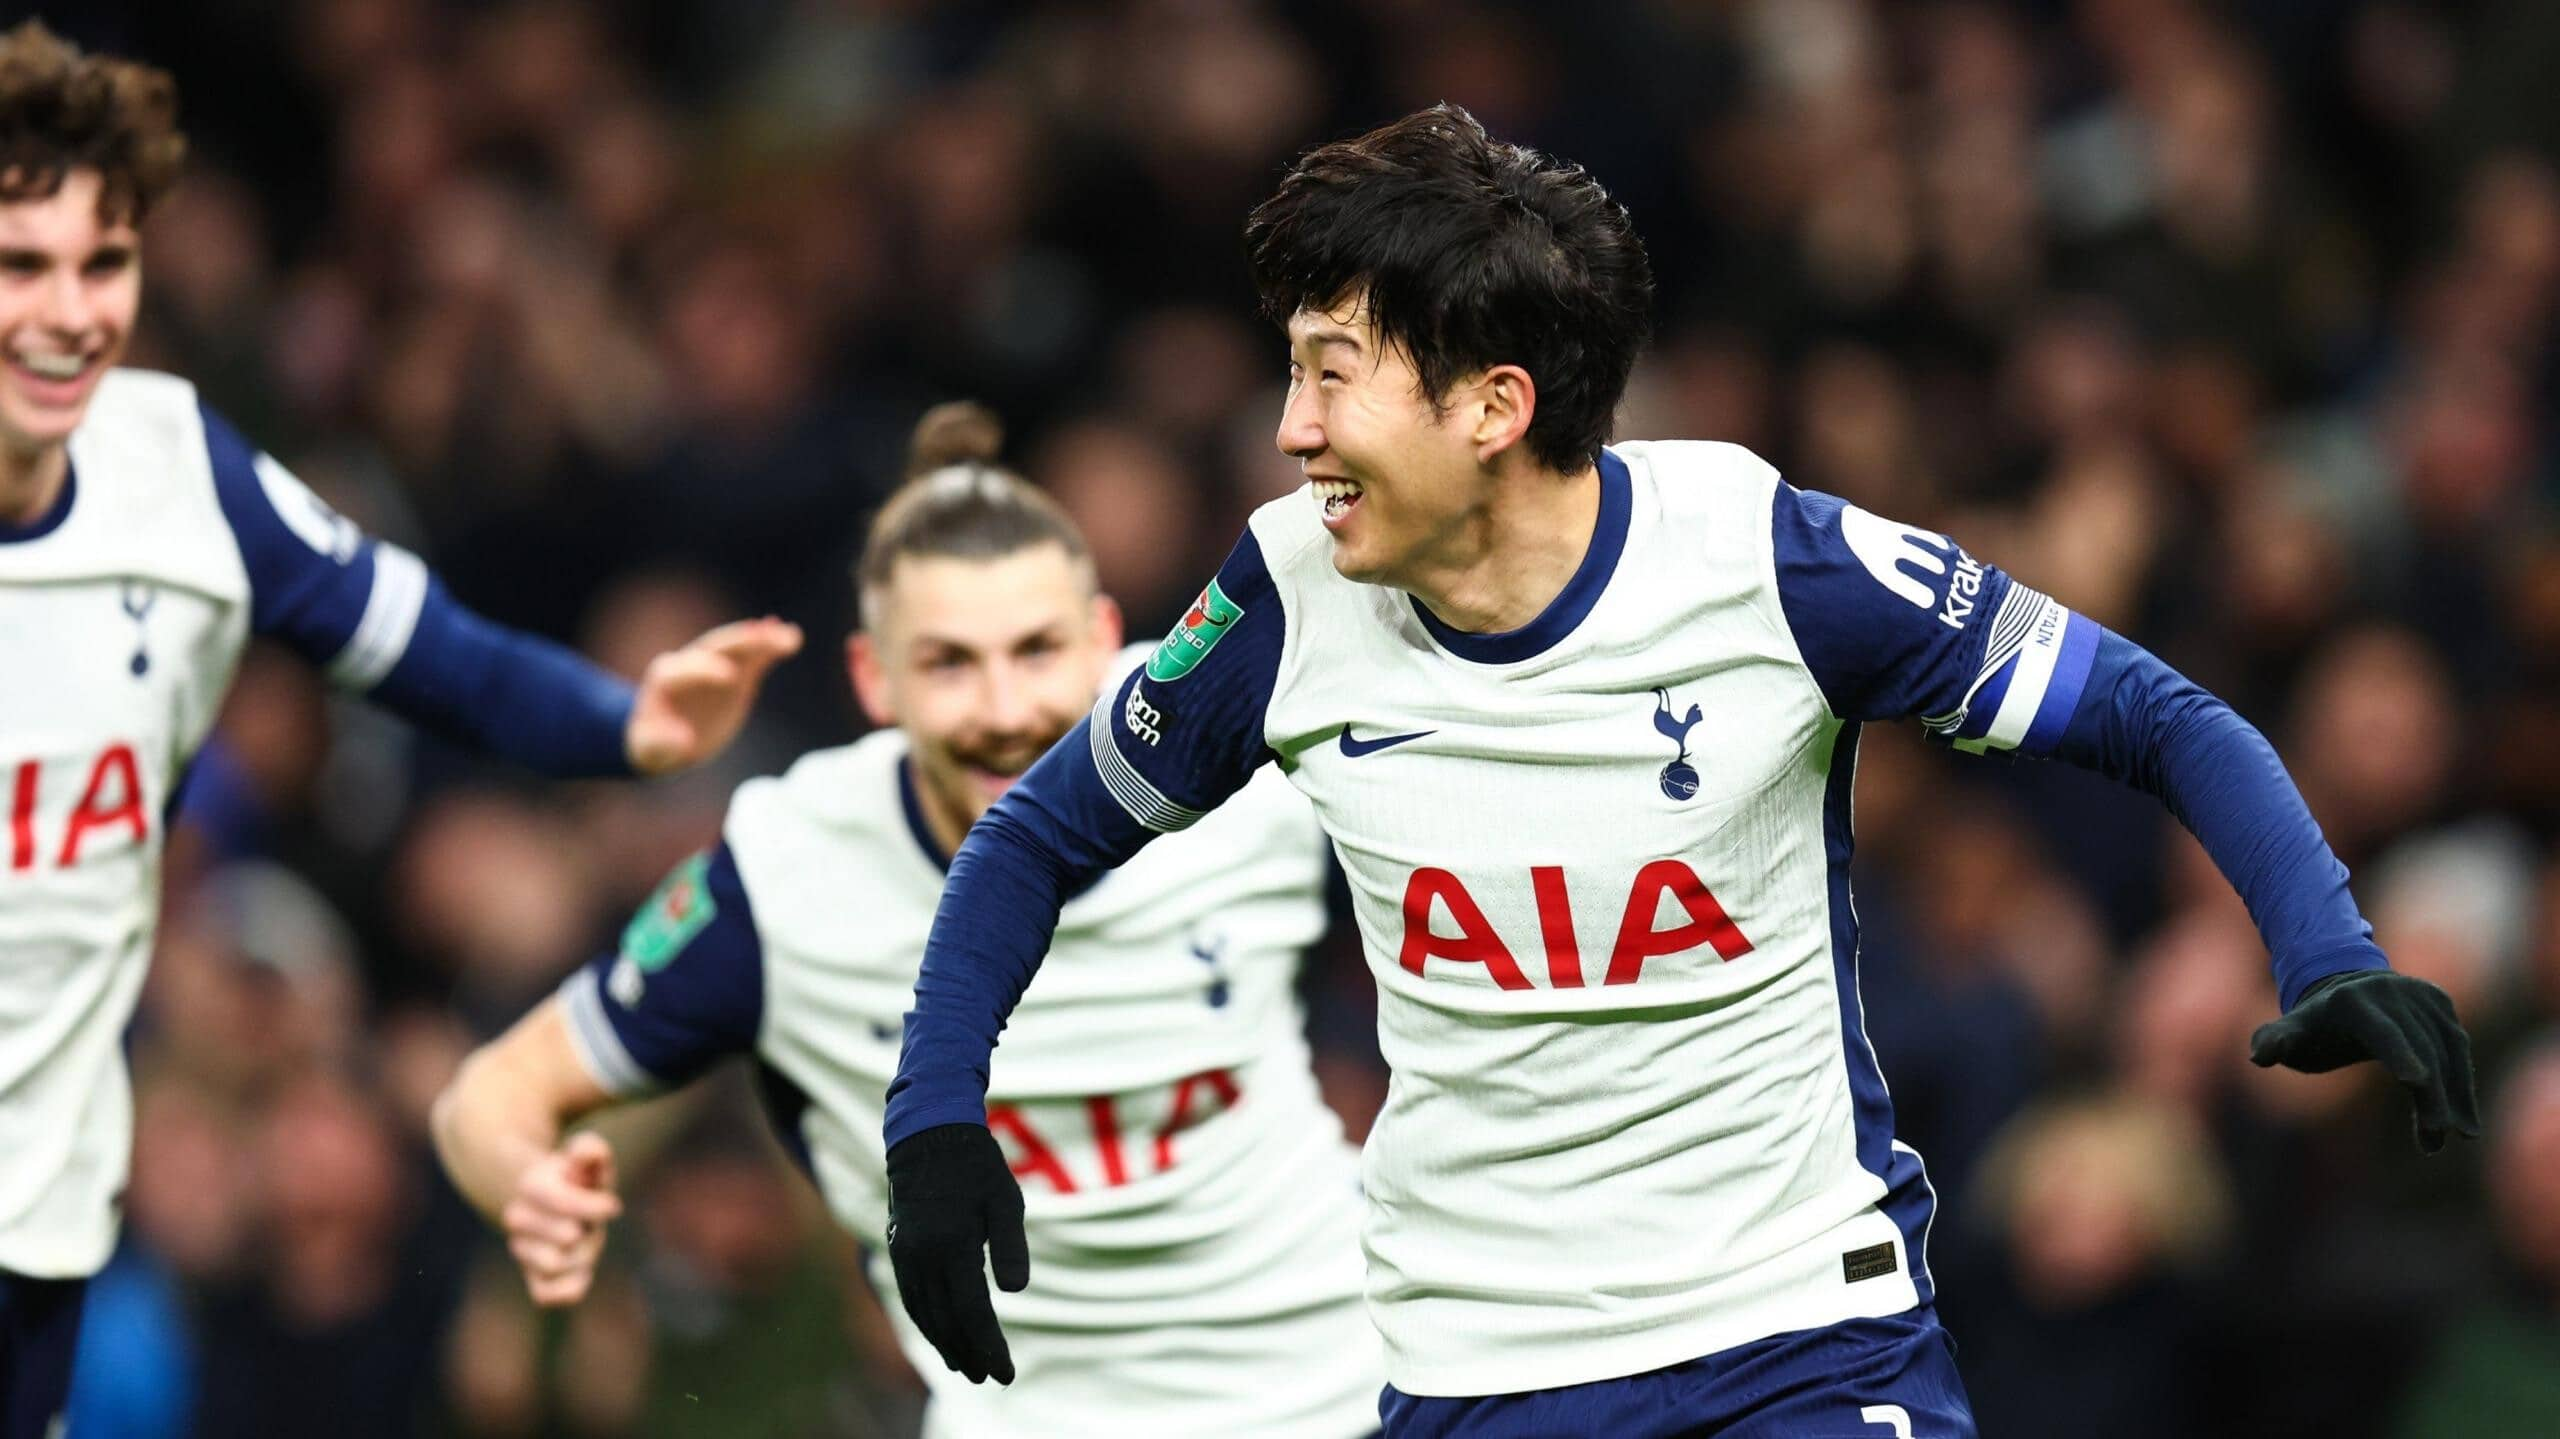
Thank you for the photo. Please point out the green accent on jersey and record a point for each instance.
(1211, 616)
(1288, 752)
(680, 908)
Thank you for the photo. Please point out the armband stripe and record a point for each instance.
(1135, 793)
(600, 1049)
(2070, 677)
(391, 611)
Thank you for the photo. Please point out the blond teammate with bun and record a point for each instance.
(1191, 1205)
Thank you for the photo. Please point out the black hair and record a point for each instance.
(957, 502)
(1468, 253)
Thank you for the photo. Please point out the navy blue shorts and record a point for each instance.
(39, 1334)
(1889, 1378)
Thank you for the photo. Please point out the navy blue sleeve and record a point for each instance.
(1184, 730)
(315, 580)
(1895, 621)
(1161, 749)
(543, 705)
(371, 615)
(683, 991)
(2145, 724)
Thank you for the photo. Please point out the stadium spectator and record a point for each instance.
(2497, 1372)
(2102, 1214)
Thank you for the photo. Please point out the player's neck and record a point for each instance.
(1515, 556)
(30, 481)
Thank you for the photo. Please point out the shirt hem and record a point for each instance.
(1624, 1355)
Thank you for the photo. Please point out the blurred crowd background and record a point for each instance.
(2230, 324)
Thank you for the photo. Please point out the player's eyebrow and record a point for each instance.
(1317, 333)
(939, 645)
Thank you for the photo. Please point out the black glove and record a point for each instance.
(953, 1204)
(2405, 1024)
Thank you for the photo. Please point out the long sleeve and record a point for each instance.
(1166, 745)
(371, 615)
(1054, 834)
(2143, 723)
(540, 704)
(1895, 621)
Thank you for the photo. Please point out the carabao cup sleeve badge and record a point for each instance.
(681, 908)
(1211, 616)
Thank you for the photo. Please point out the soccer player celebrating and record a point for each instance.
(1581, 720)
(142, 542)
(1193, 1208)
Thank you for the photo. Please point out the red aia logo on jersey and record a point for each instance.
(1032, 1156)
(1476, 941)
(111, 799)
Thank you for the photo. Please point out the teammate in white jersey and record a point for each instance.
(142, 542)
(1581, 721)
(1192, 1209)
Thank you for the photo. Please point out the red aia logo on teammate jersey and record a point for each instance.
(1476, 941)
(110, 799)
(1032, 1156)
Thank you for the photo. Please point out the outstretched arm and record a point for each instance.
(372, 615)
(1895, 621)
(2143, 723)
(550, 709)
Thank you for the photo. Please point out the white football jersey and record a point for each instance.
(122, 616)
(1191, 1205)
(1600, 866)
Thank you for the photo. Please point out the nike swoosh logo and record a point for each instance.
(1354, 748)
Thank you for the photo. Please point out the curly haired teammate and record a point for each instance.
(142, 542)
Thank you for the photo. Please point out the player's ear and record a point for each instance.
(1109, 626)
(1506, 401)
(870, 677)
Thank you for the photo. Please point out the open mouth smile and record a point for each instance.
(1337, 498)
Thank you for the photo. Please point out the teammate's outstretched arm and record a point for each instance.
(683, 990)
(379, 622)
(691, 702)
(1165, 746)
(1896, 621)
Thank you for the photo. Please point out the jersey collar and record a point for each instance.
(912, 806)
(51, 520)
(1566, 610)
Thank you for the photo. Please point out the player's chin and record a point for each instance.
(988, 784)
(27, 423)
(1356, 561)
